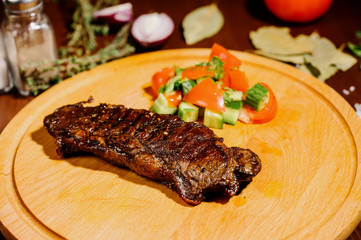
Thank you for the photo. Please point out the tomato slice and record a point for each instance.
(230, 61)
(174, 98)
(238, 80)
(198, 72)
(249, 115)
(207, 94)
(160, 78)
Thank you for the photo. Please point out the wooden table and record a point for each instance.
(241, 17)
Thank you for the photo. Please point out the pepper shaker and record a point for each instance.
(5, 74)
(29, 40)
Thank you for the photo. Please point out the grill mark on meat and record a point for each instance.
(150, 127)
(187, 157)
(103, 125)
(129, 120)
(145, 123)
(120, 124)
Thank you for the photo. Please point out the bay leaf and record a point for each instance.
(296, 59)
(343, 61)
(202, 23)
(312, 54)
(278, 40)
(306, 41)
(322, 53)
(322, 74)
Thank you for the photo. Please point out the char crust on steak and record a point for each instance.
(188, 157)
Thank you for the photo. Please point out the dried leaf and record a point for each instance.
(307, 41)
(202, 23)
(296, 59)
(312, 54)
(322, 53)
(327, 58)
(343, 61)
(278, 40)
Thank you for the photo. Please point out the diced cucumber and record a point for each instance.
(161, 89)
(187, 85)
(234, 105)
(213, 119)
(162, 106)
(257, 97)
(172, 84)
(169, 87)
(188, 112)
(231, 115)
(233, 99)
(233, 95)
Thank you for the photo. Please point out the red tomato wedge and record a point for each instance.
(238, 80)
(249, 115)
(207, 94)
(230, 61)
(160, 78)
(174, 98)
(198, 72)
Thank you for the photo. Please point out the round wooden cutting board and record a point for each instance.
(309, 186)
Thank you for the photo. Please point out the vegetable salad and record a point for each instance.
(216, 91)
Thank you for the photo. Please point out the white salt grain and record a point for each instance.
(358, 109)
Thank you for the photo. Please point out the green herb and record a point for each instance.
(187, 85)
(217, 64)
(358, 33)
(177, 70)
(354, 48)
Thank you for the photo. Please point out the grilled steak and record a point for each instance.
(187, 157)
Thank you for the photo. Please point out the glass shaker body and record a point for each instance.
(29, 39)
(6, 83)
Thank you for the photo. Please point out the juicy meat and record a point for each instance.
(188, 157)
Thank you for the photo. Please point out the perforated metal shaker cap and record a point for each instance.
(19, 6)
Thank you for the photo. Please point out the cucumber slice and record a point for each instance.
(231, 115)
(169, 87)
(172, 84)
(232, 95)
(257, 97)
(162, 106)
(237, 105)
(233, 99)
(213, 119)
(188, 112)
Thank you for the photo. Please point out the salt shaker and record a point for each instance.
(5, 74)
(29, 39)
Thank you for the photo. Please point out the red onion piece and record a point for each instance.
(152, 29)
(118, 14)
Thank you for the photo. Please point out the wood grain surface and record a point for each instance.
(309, 187)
